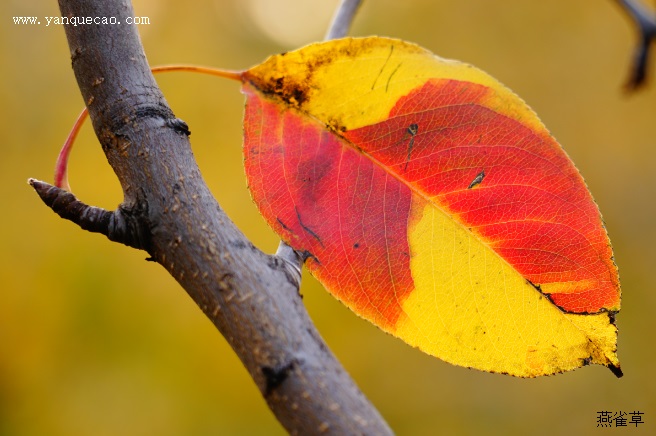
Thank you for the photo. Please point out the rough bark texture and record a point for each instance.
(251, 297)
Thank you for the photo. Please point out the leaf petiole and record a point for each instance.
(61, 166)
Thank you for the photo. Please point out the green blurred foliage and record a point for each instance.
(94, 340)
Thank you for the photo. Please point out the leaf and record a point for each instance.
(432, 201)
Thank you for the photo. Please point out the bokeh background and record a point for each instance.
(96, 341)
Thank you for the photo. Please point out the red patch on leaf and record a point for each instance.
(328, 200)
(511, 186)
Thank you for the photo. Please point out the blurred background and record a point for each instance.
(96, 341)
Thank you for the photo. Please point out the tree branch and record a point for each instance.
(646, 24)
(342, 19)
(251, 297)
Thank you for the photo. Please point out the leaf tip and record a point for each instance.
(615, 369)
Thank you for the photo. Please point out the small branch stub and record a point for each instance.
(115, 225)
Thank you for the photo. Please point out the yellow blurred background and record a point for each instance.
(96, 341)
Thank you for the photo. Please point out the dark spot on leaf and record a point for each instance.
(477, 180)
(292, 93)
(537, 287)
(611, 316)
(298, 95)
(307, 255)
(306, 228)
(373, 85)
(284, 226)
(559, 307)
(335, 126)
(389, 79)
(349, 51)
(412, 131)
(356, 245)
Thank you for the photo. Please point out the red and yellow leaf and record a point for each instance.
(433, 202)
